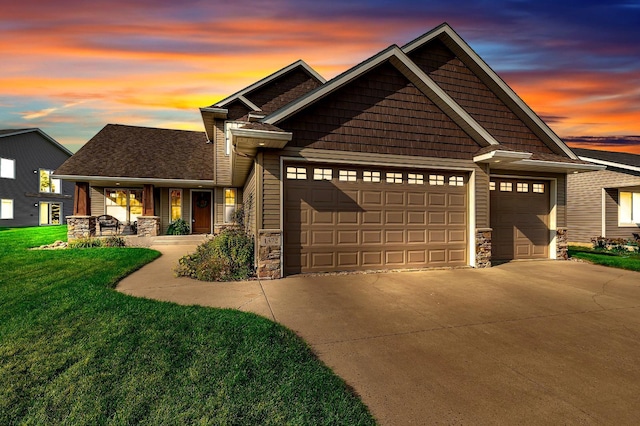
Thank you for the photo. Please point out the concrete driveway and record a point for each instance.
(545, 342)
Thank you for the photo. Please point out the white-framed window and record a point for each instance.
(48, 183)
(538, 188)
(347, 176)
(296, 173)
(393, 177)
(492, 186)
(322, 174)
(6, 208)
(7, 168)
(437, 180)
(370, 176)
(506, 186)
(456, 181)
(415, 179)
(628, 208)
(227, 131)
(50, 213)
(123, 204)
(229, 204)
(175, 204)
(522, 187)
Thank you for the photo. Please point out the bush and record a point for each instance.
(85, 243)
(114, 241)
(226, 257)
(178, 227)
(613, 244)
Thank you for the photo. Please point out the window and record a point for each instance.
(50, 213)
(628, 207)
(394, 177)
(229, 204)
(49, 183)
(175, 196)
(7, 168)
(506, 186)
(6, 209)
(347, 176)
(522, 187)
(456, 181)
(538, 187)
(436, 180)
(123, 204)
(322, 174)
(415, 179)
(227, 131)
(492, 186)
(299, 173)
(368, 176)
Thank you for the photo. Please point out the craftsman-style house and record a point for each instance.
(420, 156)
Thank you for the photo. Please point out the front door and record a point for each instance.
(201, 212)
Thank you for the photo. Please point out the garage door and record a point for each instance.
(359, 218)
(520, 219)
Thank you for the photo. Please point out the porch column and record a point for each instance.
(81, 200)
(147, 201)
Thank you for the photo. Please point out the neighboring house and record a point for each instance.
(420, 156)
(605, 203)
(29, 195)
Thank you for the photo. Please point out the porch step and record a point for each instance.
(170, 240)
(167, 240)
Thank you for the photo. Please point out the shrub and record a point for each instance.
(114, 241)
(178, 227)
(87, 242)
(226, 257)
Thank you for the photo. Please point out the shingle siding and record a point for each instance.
(464, 86)
(380, 112)
(32, 152)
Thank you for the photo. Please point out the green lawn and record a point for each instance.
(74, 351)
(622, 260)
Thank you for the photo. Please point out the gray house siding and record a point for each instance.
(585, 204)
(32, 152)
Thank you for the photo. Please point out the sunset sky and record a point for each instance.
(70, 67)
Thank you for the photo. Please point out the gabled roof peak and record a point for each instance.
(299, 64)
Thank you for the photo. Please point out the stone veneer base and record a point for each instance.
(269, 254)
(483, 247)
(148, 226)
(81, 227)
(562, 245)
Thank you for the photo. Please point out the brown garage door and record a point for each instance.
(342, 218)
(520, 219)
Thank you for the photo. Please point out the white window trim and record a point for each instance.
(3, 165)
(51, 179)
(181, 203)
(128, 206)
(2, 212)
(50, 203)
(225, 205)
(228, 125)
(632, 219)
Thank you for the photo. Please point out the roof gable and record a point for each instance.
(379, 111)
(12, 132)
(402, 63)
(476, 64)
(244, 94)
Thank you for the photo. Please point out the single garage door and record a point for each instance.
(344, 218)
(520, 219)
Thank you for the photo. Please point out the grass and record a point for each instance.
(614, 259)
(74, 351)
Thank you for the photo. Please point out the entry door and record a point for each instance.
(201, 212)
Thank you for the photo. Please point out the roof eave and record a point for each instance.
(135, 181)
(548, 166)
(611, 164)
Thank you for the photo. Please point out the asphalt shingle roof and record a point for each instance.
(143, 152)
(615, 157)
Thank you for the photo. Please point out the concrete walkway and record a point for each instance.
(545, 342)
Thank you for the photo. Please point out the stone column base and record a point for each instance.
(81, 227)
(148, 226)
(483, 247)
(269, 254)
(562, 246)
